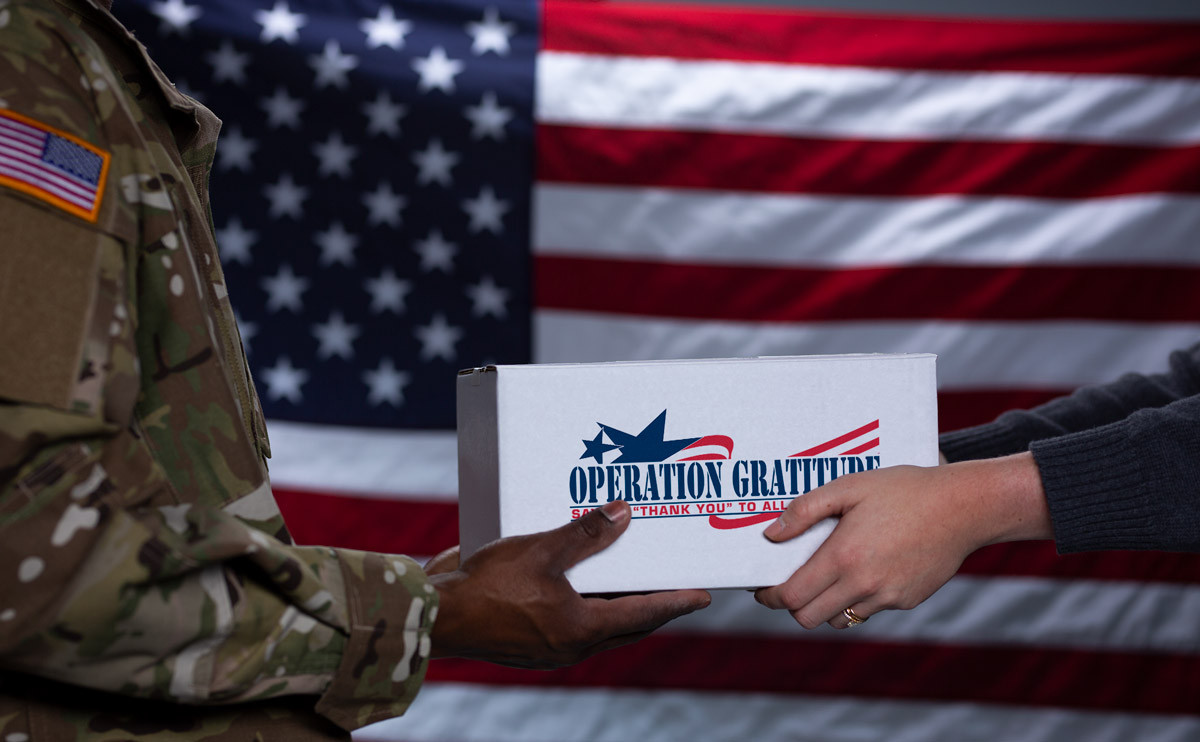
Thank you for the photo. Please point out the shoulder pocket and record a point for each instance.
(57, 320)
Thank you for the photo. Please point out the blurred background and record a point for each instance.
(404, 189)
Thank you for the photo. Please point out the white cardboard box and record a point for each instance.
(706, 452)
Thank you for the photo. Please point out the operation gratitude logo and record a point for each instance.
(690, 477)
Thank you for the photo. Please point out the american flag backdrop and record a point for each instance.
(407, 188)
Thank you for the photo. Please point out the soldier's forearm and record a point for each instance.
(105, 585)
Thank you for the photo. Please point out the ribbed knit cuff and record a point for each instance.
(981, 442)
(1099, 489)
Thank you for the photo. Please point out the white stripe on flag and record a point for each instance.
(971, 355)
(845, 102)
(22, 132)
(1011, 611)
(709, 227)
(22, 173)
(368, 462)
(20, 144)
(515, 714)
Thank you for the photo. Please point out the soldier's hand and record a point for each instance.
(510, 602)
(447, 561)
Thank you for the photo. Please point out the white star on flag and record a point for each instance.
(436, 252)
(337, 245)
(284, 381)
(286, 197)
(335, 337)
(437, 71)
(284, 290)
(334, 156)
(279, 23)
(229, 65)
(175, 15)
(491, 34)
(235, 150)
(383, 115)
(332, 66)
(282, 109)
(387, 292)
(434, 164)
(488, 298)
(384, 205)
(234, 241)
(486, 211)
(438, 339)
(385, 29)
(386, 384)
(488, 119)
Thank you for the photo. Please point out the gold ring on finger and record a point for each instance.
(853, 617)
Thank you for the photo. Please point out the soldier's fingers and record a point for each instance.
(447, 561)
(639, 614)
(586, 535)
(618, 641)
(804, 512)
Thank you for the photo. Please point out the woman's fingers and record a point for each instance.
(804, 512)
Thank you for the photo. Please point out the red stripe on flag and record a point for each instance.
(961, 409)
(783, 37)
(788, 294)
(782, 164)
(369, 523)
(1039, 559)
(834, 442)
(1067, 678)
(426, 528)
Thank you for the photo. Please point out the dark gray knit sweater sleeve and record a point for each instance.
(1120, 462)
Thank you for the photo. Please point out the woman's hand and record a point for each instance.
(903, 532)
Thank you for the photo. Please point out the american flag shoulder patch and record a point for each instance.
(51, 165)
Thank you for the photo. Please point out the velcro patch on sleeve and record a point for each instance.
(51, 165)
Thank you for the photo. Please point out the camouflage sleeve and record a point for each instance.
(185, 603)
(113, 575)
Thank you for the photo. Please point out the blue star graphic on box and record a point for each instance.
(647, 446)
(596, 448)
(371, 192)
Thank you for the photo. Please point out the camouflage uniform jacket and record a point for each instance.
(148, 586)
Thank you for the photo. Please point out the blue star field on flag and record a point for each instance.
(371, 192)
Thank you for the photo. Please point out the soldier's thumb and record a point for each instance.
(591, 533)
